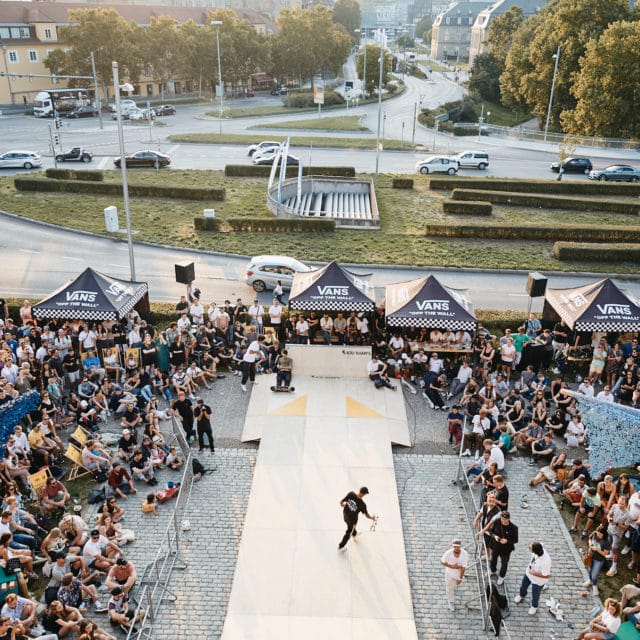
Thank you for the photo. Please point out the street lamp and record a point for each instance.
(556, 55)
(381, 60)
(216, 24)
(363, 35)
(123, 164)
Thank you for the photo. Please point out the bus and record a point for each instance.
(56, 102)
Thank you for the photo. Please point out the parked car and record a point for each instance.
(124, 104)
(267, 157)
(20, 160)
(88, 111)
(145, 159)
(280, 91)
(573, 165)
(475, 159)
(142, 114)
(126, 111)
(77, 154)
(262, 146)
(438, 164)
(165, 110)
(616, 173)
(264, 271)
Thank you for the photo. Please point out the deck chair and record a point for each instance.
(78, 470)
(79, 437)
(38, 481)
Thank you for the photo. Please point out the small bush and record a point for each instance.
(281, 225)
(469, 207)
(72, 174)
(601, 252)
(510, 231)
(200, 223)
(403, 183)
(262, 171)
(304, 100)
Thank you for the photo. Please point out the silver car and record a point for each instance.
(20, 160)
(263, 272)
(616, 173)
(438, 164)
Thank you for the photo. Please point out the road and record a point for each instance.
(39, 259)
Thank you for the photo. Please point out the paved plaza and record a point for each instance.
(431, 514)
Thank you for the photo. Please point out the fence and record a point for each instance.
(153, 588)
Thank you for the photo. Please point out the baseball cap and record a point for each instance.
(364, 490)
(506, 515)
(456, 542)
(126, 432)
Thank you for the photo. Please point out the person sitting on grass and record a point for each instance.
(590, 504)
(605, 625)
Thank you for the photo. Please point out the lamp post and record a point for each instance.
(216, 24)
(556, 55)
(381, 60)
(97, 90)
(363, 36)
(123, 165)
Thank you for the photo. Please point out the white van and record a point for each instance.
(475, 159)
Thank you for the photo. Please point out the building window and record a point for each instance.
(48, 34)
(33, 55)
(24, 32)
(13, 56)
(15, 32)
(4, 33)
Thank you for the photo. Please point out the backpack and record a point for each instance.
(97, 495)
(197, 467)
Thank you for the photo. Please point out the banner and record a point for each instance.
(318, 92)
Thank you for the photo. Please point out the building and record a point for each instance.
(29, 32)
(451, 33)
(480, 29)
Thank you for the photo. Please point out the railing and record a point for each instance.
(154, 587)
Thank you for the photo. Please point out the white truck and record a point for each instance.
(58, 102)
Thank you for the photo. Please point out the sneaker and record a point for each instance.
(98, 607)
(452, 607)
(586, 583)
(630, 566)
(531, 463)
(124, 628)
(342, 547)
(583, 535)
(500, 580)
(243, 387)
(518, 599)
(612, 572)
(477, 456)
(191, 396)
(354, 533)
(532, 611)
(595, 590)
(625, 550)
(466, 452)
(444, 407)
(37, 631)
(572, 529)
(513, 450)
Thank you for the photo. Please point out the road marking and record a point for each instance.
(70, 258)
(29, 251)
(172, 149)
(103, 163)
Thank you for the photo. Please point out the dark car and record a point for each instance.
(165, 110)
(616, 173)
(145, 159)
(268, 157)
(87, 111)
(77, 154)
(573, 165)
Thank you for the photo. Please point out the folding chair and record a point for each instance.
(78, 470)
(79, 437)
(38, 481)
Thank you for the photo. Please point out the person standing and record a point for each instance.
(249, 361)
(504, 537)
(537, 575)
(202, 414)
(275, 317)
(278, 292)
(352, 506)
(455, 562)
(183, 408)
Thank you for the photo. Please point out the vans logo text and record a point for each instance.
(81, 296)
(333, 291)
(612, 309)
(433, 305)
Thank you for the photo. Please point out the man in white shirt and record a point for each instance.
(184, 324)
(197, 312)
(256, 311)
(87, 338)
(326, 328)
(586, 388)
(275, 316)
(605, 395)
(455, 561)
(537, 575)
(302, 330)
(252, 356)
(480, 427)
(435, 363)
(213, 313)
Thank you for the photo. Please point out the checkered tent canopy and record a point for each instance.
(426, 302)
(601, 306)
(331, 288)
(92, 296)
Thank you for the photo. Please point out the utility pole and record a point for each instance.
(379, 107)
(97, 90)
(415, 116)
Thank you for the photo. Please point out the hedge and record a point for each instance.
(603, 252)
(594, 188)
(533, 231)
(115, 189)
(403, 183)
(548, 202)
(200, 223)
(72, 174)
(281, 225)
(468, 207)
(263, 171)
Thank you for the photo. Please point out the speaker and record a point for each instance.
(185, 273)
(536, 284)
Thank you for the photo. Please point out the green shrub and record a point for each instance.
(602, 252)
(547, 202)
(263, 171)
(115, 189)
(72, 174)
(469, 207)
(304, 100)
(533, 231)
(403, 183)
(537, 186)
(200, 223)
(281, 225)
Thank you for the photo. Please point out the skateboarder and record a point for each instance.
(352, 505)
(285, 369)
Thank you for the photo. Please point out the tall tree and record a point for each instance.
(423, 28)
(530, 63)
(162, 50)
(607, 89)
(485, 76)
(372, 75)
(502, 30)
(347, 13)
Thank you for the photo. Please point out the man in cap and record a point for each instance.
(352, 506)
(455, 562)
(202, 414)
(504, 537)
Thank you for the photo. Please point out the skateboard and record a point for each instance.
(374, 524)
(283, 389)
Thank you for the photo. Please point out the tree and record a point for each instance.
(485, 76)
(502, 30)
(405, 41)
(372, 76)
(162, 50)
(607, 89)
(530, 64)
(347, 13)
(423, 28)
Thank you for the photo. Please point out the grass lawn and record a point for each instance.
(333, 123)
(296, 141)
(400, 240)
(504, 117)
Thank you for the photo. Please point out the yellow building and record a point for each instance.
(29, 32)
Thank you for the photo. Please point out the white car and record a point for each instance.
(124, 104)
(265, 145)
(20, 160)
(263, 272)
(142, 114)
(438, 164)
(475, 159)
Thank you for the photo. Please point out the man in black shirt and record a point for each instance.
(352, 505)
(202, 414)
(71, 365)
(183, 408)
(504, 537)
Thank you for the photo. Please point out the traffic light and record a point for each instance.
(56, 139)
(58, 123)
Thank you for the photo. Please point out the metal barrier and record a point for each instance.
(153, 587)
